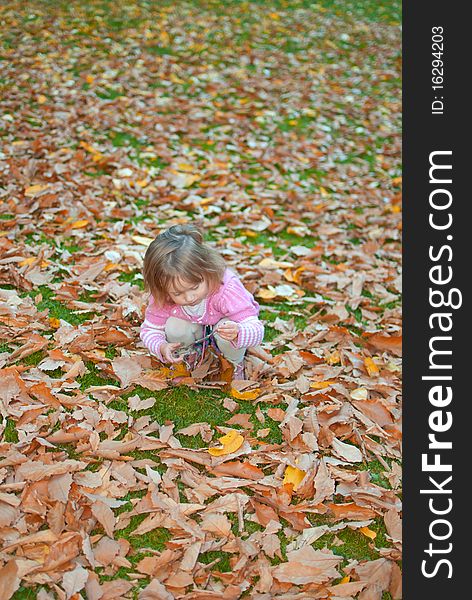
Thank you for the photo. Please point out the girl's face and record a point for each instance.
(184, 293)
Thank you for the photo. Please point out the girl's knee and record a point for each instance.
(177, 330)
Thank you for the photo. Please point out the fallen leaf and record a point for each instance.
(74, 581)
(229, 444)
(368, 532)
(371, 368)
(249, 395)
(293, 476)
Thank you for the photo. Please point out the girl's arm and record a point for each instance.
(238, 305)
(152, 332)
(251, 333)
(152, 336)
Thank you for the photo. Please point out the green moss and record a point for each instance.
(23, 593)
(10, 434)
(223, 563)
(181, 406)
(93, 377)
(155, 539)
(33, 359)
(56, 308)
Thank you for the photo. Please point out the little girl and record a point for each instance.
(191, 287)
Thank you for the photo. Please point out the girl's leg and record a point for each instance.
(178, 330)
(234, 355)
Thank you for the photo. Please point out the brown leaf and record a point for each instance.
(383, 342)
(393, 524)
(236, 468)
(9, 580)
(59, 487)
(106, 550)
(217, 524)
(74, 581)
(127, 369)
(155, 591)
(104, 516)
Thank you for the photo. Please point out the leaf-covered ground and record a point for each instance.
(276, 126)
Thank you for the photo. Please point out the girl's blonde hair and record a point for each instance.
(180, 253)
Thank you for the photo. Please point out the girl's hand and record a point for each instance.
(228, 331)
(167, 352)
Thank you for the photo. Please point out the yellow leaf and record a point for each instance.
(320, 385)
(55, 323)
(164, 37)
(175, 79)
(396, 208)
(32, 190)
(333, 358)
(79, 224)
(229, 443)
(266, 293)
(245, 395)
(359, 394)
(178, 370)
(88, 147)
(185, 167)
(142, 183)
(140, 239)
(41, 99)
(111, 266)
(294, 476)
(297, 274)
(368, 532)
(370, 366)
(323, 191)
(346, 579)
(27, 261)
(274, 16)
(89, 79)
(396, 180)
(270, 263)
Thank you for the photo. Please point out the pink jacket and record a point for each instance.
(230, 300)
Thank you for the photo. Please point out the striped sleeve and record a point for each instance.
(152, 336)
(152, 332)
(251, 333)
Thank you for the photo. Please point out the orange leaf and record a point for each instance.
(27, 261)
(382, 342)
(229, 443)
(368, 532)
(245, 395)
(32, 190)
(293, 476)
(277, 414)
(320, 385)
(236, 468)
(371, 367)
(79, 224)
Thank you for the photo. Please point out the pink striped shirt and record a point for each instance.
(231, 300)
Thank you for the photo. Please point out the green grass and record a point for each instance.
(57, 309)
(10, 433)
(181, 405)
